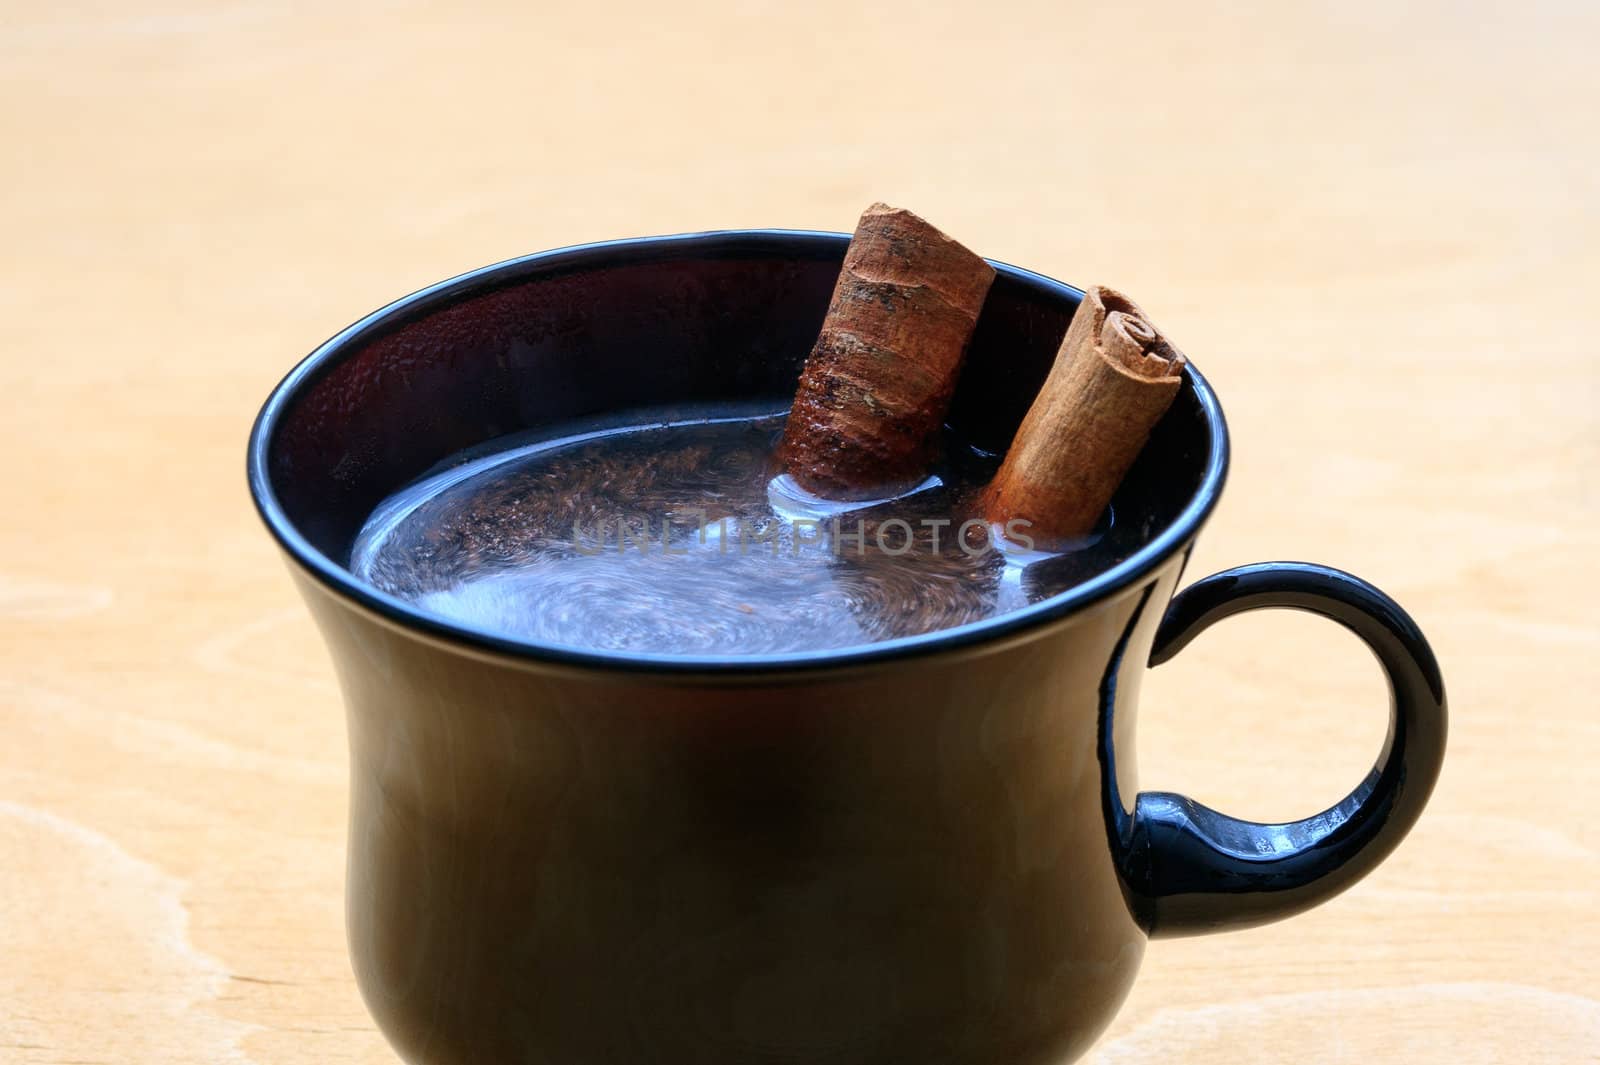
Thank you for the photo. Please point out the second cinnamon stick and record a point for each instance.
(1114, 376)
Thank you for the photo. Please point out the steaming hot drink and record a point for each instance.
(672, 532)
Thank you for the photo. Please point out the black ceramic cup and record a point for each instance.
(931, 849)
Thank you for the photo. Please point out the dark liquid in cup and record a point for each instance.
(669, 533)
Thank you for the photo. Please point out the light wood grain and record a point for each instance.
(1375, 226)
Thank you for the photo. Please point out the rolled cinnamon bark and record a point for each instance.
(875, 389)
(1114, 376)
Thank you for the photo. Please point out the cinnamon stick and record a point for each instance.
(876, 386)
(1114, 376)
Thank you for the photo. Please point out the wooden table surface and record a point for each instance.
(1375, 226)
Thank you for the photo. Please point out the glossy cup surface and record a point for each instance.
(913, 851)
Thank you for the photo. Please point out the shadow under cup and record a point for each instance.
(926, 849)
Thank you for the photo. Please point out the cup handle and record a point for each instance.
(1201, 871)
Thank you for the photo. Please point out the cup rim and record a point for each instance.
(602, 254)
